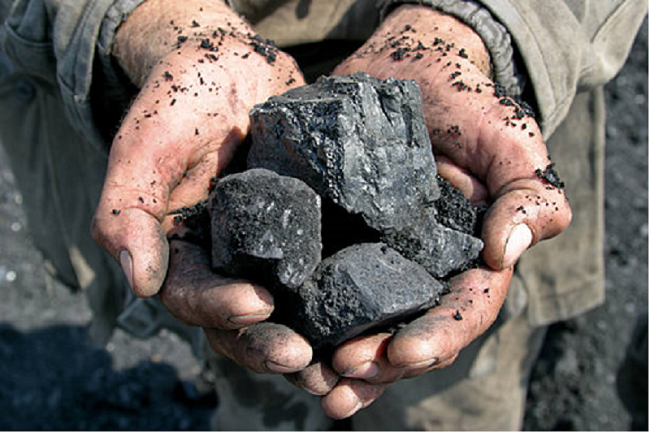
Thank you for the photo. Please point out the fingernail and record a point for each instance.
(356, 409)
(426, 363)
(366, 370)
(248, 319)
(277, 368)
(520, 239)
(127, 266)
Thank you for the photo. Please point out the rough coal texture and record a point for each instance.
(440, 250)
(362, 144)
(363, 287)
(265, 227)
(455, 211)
(358, 141)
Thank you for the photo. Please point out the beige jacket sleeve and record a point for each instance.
(564, 46)
(568, 46)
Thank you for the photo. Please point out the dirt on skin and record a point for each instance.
(53, 379)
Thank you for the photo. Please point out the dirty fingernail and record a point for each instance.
(520, 239)
(356, 409)
(248, 319)
(278, 368)
(366, 370)
(426, 363)
(127, 266)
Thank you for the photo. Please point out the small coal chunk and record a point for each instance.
(550, 175)
(361, 288)
(358, 141)
(266, 228)
(440, 250)
(455, 211)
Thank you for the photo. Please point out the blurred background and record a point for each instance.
(590, 375)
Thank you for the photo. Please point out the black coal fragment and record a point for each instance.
(440, 250)
(265, 227)
(361, 288)
(455, 211)
(357, 141)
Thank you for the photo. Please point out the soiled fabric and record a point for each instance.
(63, 95)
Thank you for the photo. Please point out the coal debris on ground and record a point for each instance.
(265, 225)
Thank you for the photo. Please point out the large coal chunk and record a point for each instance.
(265, 227)
(358, 141)
(362, 287)
(440, 250)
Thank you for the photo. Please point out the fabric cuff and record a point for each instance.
(495, 36)
(115, 85)
(115, 16)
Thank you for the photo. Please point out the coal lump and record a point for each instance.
(439, 249)
(363, 287)
(357, 141)
(265, 227)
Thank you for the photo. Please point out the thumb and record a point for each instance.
(137, 241)
(525, 212)
(134, 201)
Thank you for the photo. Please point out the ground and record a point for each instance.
(54, 379)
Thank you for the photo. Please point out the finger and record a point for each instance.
(465, 313)
(263, 347)
(198, 297)
(349, 396)
(365, 358)
(136, 240)
(410, 373)
(317, 379)
(127, 222)
(526, 212)
(462, 179)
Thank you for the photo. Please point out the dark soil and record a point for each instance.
(54, 379)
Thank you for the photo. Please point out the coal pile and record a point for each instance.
(341, 213)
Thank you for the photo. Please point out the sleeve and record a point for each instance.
(564, 46)
(63, 43)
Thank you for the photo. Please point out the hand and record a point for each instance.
(200, 70)
(492, 150)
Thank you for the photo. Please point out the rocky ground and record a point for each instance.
(54, 379)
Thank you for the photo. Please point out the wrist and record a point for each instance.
(439, 31)
(157, 28)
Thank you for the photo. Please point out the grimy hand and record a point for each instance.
(200, 70)
(489, 147)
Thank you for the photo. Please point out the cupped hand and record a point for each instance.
(491, 148)
(200, 70)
